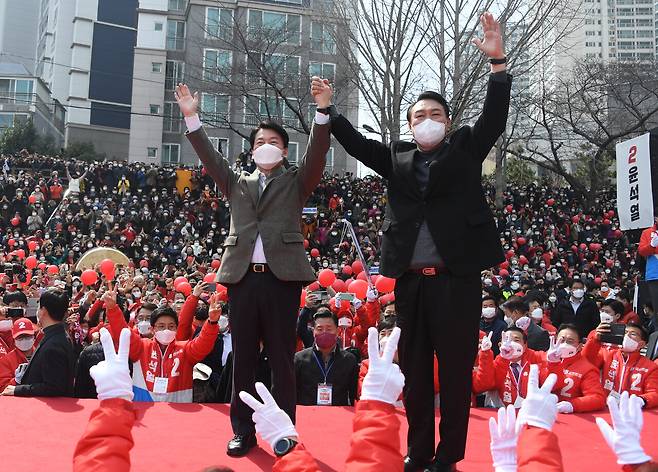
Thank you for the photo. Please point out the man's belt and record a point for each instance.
(430, 271)
(259, 268)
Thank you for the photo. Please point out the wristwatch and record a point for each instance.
(284, 446)
(213, 322)
(498, 61)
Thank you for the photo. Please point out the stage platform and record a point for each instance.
(40, 434)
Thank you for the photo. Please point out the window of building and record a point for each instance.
(172, 118)
(175, 35)
(293, 153)
(326, 70)
(214, 108)
(590, 44)
(220, 144)
(330, 157)
(176, 5)
(219, 23)
(322, 38)
(258, 108)
(277, 26)
(156, 66)
(173, 74)
(217, 65)
(152, 152)
(157, 26)
(154, 109)
(170, 154)
(283, 69)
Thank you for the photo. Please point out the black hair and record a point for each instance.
(388, 323)
(517, 305)
(163, 311)
(16, 296)
(274, 126)
(490, 297)
(514, 329)
(570, 326)
(430, 95)
(577, 281)
(324, 313)
(56, 302)
(625, 294)
(616, 305)
(643, 331)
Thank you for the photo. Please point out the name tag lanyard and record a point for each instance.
(321, 366)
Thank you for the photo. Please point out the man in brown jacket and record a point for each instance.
(264, 264)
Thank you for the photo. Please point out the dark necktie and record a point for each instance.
(516, 370)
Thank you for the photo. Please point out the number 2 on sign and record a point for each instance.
(631, 155)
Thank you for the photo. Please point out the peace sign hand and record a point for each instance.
(540, 406)
(486, 344)
(384, 381)
(272, 423)
(111, 376)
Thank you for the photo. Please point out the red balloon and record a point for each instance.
(389, 297)
(504, 265)
(215, 263)
(179, 280)
(523, 260)
(313, 287)
(575, 218)
(223, 295)
(385, 284)
(617, 233)
(357, 267)
(520, 241)
(349, 281)
(347, 270)
(503, 273)
(583, 246)
(358, 288)
(606, 222)
(306, 244)
(220, 288)
(32, 245)
(609, 263)
(509, 208)
(15, 221)
(107, 268)
(611, 214)
(89, 277)
(11, 242)
(210, 277)
(53, 270)
(550, 202)
(339, 286)
(315, 252)
(302, 299)
(143, 263)
(326, 277)
(362, 276)
(592, 246)
(510, 253)
(32, 199)
(20, 253)
(598, 280)
(185, 288)
(31, 262)
(42, 266)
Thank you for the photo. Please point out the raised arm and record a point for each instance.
(214, 162)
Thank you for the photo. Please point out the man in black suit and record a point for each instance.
(652, 346)
(577, 309)
(51, 369)
(516, 314)
(438, 234)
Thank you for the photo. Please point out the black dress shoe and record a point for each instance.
(240, 445)
(414, 465)
(440, 467)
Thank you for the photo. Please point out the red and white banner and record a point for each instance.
(634, 197)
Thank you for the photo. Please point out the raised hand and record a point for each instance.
(187, 102)
(384, 381)
(215, 309)
(112, 376)
(504, 437)
(492, 42)
(321, 91)
(485, 343)
(110, 299)
(553, 354)
(199, 288)
(539, 408)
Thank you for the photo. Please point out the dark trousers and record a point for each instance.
(262, 307)
(438, 315)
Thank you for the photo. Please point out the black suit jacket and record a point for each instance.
(50, 371)
(343, 377)
(538, 339)
(651, 346)
(454, 205)
(586, 318)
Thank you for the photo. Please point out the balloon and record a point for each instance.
(362, 276)
(503, 273)
(575, 219)
(302, 299)
(358, 288)
(385, 284)
(349, 281)
(11, 242)
(598, 280)
(550, 202)
(223, 295)
(31, 262)
(389, 297)
(20, 253)
(220, 288)
(185, 288)
(609, 263)
(606, 222)
(520, 241)
(357, 267)
(143, 263)
(583, 246)
(339, 286)
(347, 270)
(107, 268)
(32, 245)
(306, 244)
(326, 277)
(611, 214)
(523, 260)
(510, 253)
(42, 266)
(53, 270)
(509, 208)
(617, 234)
(313, 287)
(179, 280)
(315, 252)
(89, 277)
(215, 263)
(504, 265)
(32, 199)
(15, 221)
(209, 277)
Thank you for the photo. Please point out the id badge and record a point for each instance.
(324, 394)
(160, 385)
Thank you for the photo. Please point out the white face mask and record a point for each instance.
(605, 317)
(509, 320)
(223, 323)
(6, 325)
(428, 133)
(567, 350)
(578, 293)
(267, 156)
(516, 352)
(488, 312)
(552, 299)
(24, 344)
(488, 282)
(137, 294)
(537, 314)
(629, 344)
(144, 327)
(165, 337)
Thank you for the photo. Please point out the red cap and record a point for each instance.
(22, 326)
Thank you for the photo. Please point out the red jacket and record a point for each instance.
(582, 385)
(8, 366)
(6, 343)
(538, 450)
(185, 318)
(107, 441)
(634, 373)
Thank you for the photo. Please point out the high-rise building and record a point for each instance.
(18, 32)
(249, 60)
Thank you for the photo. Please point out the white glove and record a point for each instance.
(654, 239)
(357, 303)
(384, 381)
(554, 354)
(523, 323)
(337, 301)
(506, 346)
(372, 294)
(540, 406)
(564, 407)
(624, 439)
(503, 439)
(112, 376)
(485, 343)
(20, 372)
(272, 423)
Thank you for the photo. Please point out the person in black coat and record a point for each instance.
(577, 309)
(438, 234)
(50, 371)
(326, 374)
